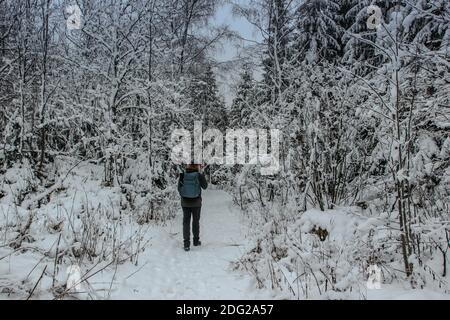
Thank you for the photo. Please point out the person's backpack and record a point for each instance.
(190, 186)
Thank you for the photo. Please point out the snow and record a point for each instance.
(87, 187)
(304, 263)
(167, 272)
(162, 271)
(391, 292)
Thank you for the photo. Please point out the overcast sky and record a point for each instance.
(224, 15)
(230, 50)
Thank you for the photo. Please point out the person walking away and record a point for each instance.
(190, 185)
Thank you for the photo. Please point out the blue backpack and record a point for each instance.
(190, 187)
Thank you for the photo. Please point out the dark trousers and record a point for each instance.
(187, 213)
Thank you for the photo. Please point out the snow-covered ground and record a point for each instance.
(167, 272)
(84, 223)
(162, 270)
(395, 292)
(205, 272)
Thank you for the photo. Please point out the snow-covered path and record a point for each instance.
(203, 273)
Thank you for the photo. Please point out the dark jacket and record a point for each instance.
(195, 202)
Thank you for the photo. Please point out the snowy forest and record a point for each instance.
(91, 91)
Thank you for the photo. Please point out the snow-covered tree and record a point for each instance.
(245, 100)
(318, 30)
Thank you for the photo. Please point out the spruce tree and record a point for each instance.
(243, 103)
(318, 30)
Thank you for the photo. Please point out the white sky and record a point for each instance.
(229, 50)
